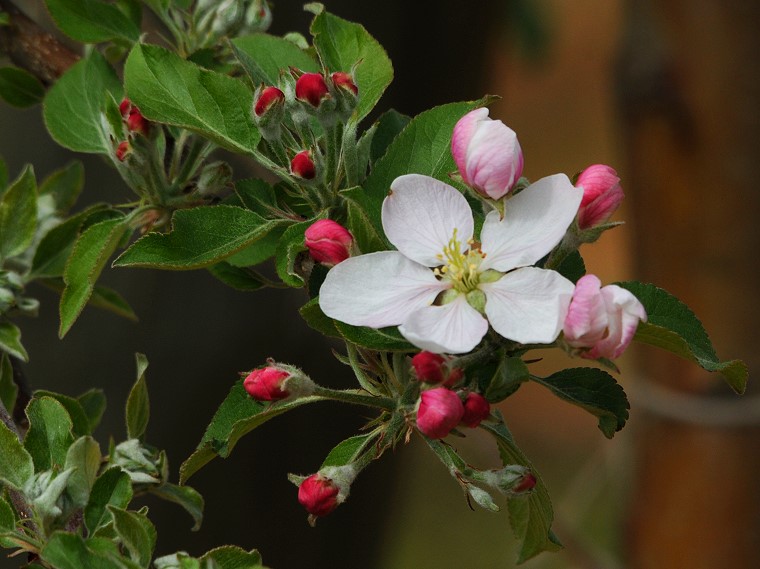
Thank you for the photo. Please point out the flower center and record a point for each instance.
(461, 268)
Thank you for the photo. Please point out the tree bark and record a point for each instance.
(689, 90)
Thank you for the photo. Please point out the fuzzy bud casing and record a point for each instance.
(439, 411)
(328, 242)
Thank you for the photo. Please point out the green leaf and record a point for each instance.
(318, 320)
(94, 404)
(383, 339)
(49, 436)
(365, 234)
(137, 534)
(92, 21)
(423, 147)
(158, 6)
(8, 387)
(594, 390)
(232, 557)
(16, 464)
(64, 186)
(18, 215)
(83, 457)
(88, 258)
(199, 237)
(238, 415)
(672, 326)
(264, 57)
(238, 278)
(20, 88)
(74, 105)
(138, 403)
(389, 126)
(531, 515)
(10, 341)
(347, 451)
(7, 519)
(342, 45)
(185, 496)
(112, 488)
(108, 299)
(65, 550)
(3, 176)
(507, 378)
(171, 90)
(572, 267)
(79, 420)
(287, 255)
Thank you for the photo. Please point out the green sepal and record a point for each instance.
(138, 403)
(238, 415)
(18, 215)
(594, 390)
(19, 88)
(171, 90)
(672, 326)
(49, 436)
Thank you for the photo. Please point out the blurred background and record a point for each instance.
(667, 93)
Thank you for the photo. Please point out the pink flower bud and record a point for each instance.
(269, 97)
(303, 166)
(344, 81)
(602, 195)
(429, 367)
(487, 154)
(476, 409)
(136, 122)
(265, 384)
(601, 321)
(525, 484)
(319, 495)
(439, 412)
(311, 88)
(328, 242)
(123, 150)
(124, 107)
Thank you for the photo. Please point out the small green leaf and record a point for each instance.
(264, 57)
(594, 390)
(10, 341)
(200, 237)
(365, 234)
(8, 387)
(94, 404)
(158, 6)
(389, 126)
(238, 415)
(347, 451)
(185, 496)
(88, 258)
(7, 519)
(138, 403)
(672, 326)
(136, 533)
(572, 267)
(16, 465)
(108, 299)
(342, 45)
(18, 215)
(65, 550)
(232, 557)
(287, 255)
(20, 88)
(509, 375)
(83, 457)
(92, 21)
(64, 186)
(73, 106)
(382, 339)
(318, 320)
(238, 278)
(171, 90)
(113, 488)
(49, 436)
(79, 420)
(530, 515)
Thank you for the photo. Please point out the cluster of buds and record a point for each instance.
(277, 381)
(441, 410)
(134, 122)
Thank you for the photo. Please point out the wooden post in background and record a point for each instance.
(689, 86)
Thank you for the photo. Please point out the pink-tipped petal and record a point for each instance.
(420, 215)
(454, 328)
(624, 311)
(464, 130)
(586, 320)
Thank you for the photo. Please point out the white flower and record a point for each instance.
(441, 287)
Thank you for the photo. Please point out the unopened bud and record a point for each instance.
(602, 195)
(318, 494)
(303, 165)
(133, 118)
(434, 368)
(525, 484)
(512, 479)
(277, 381)
(439, 411)
(344, 81)
(328, 242)
(268, 98)
(311, 88)
(476, 409)
(258, 17)
(123, 150)
(214, 178)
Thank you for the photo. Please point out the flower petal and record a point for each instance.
(528, 305)
(420, 215)
(586, 320)
(454, 328)
(461, 137)
(377, 289)
(535, 220)
(624, 312)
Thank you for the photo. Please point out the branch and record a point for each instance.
(32, 48)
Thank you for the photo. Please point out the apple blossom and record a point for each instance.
(602, 195)
(440, 410)
(602, 320)
(441, 287)
(487, 154)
